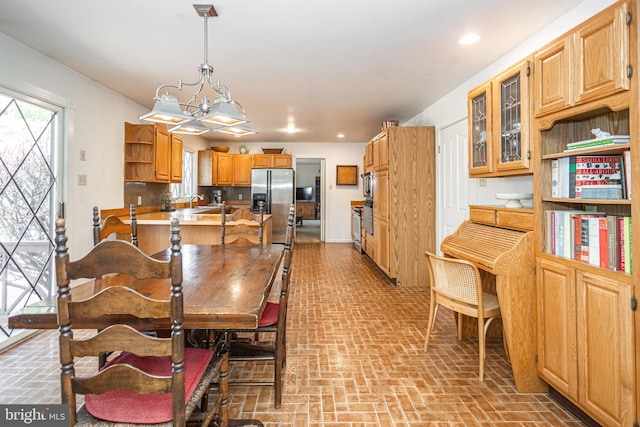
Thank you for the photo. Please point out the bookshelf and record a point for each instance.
(575, 297)
(586, 320)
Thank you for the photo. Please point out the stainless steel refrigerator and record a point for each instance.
(276, 187)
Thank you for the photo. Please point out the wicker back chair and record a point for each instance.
(456, 285)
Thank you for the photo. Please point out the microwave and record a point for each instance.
(367, 185)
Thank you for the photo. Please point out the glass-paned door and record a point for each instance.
(29, 141)
(513, 118)
(510, 147)
(480, 130)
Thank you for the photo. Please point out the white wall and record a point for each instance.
(453, 107)
(336, 205)
(97, 117)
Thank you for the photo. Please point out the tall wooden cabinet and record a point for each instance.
(403, 163)
(151, 154)
(587, 318)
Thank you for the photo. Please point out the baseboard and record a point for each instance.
(571, 407)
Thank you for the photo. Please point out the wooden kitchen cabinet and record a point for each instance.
(222, 168)
(403, 201)
(601, 55)
(271, 161)
(176, 158)
(585, 337)
(215, 168)
(480, 130)
(242, 170)
(147, 153)
(368, 157)
(556, 327)
(553, 66)
(261, 160)
(205, 168)
(281, 161)
(381, 218)
(587, 342)
(380, 146)
(381, 254)
(499, 124)
(590, 62)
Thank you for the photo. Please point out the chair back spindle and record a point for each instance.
(112, 224)
(248, 227)
(117, 312)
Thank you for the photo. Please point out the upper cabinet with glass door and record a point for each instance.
(499, 119)
(480, 130)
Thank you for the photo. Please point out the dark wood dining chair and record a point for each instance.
(273, 323)
(150, 380)
(248, 227)
(112, 224)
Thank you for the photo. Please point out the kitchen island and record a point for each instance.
(199, 225)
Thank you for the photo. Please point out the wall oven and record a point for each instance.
(367, 185)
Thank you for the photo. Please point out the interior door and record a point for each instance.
(452, 178)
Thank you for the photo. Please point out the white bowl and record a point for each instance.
(513, 199)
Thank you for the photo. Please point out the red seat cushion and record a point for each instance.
(269, 315)
(128, 407)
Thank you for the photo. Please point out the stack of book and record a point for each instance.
(591, 177)
(598, 142)
(590, 237)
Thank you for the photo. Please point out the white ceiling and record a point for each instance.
(329, 66)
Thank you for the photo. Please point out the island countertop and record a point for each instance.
(191, 216)
(197, 226)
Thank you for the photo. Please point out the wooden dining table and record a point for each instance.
(225, 287)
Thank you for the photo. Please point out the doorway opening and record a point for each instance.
(309, 200)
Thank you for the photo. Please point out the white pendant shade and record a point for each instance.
(190, 115)
(240, 130)
(224, 114)
(192, 127)
(166, 110)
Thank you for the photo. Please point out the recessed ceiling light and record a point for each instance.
(291, 128)
(340, 135)
(470, 38)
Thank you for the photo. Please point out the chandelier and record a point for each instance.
(192, 116)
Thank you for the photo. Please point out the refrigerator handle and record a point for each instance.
(268, 203)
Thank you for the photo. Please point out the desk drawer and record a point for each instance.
(515, 220)
(520, 219)
(483, 216)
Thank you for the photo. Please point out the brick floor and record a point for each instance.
(354, 359)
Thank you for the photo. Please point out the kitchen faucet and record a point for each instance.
(195, 196)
